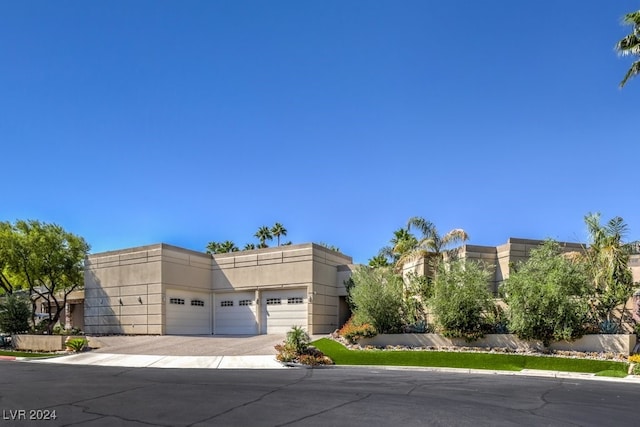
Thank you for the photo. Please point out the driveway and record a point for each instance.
(193, 345)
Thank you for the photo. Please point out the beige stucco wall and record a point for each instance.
(126, 289)
(115, 283)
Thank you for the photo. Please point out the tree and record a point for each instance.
(45, 257)
(376, 298)
(278, 230)
(249, 247)
(263, 234)
(461, 299)
(14, 315)
(608, 265)
(431, 243)
(379, 261)
(547, 296)
(227, 246)
(630, 45)
(213, 247)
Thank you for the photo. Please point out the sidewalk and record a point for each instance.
(158, 361)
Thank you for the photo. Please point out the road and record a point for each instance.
(111, 396)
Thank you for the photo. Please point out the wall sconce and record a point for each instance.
(120, 301)
(140, 300)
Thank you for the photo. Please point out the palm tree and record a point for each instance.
(227, 246)
(212, 247)
(431, 244)
(608, 263)
(263, 234)
(379, 260)
(278, 230)
(249, 247)
(630, 45)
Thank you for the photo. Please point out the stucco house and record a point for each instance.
(164, 289)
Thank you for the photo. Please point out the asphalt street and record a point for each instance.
(116, 396)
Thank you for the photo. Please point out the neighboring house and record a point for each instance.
(72, 316)
(499, 259)
(163, 289)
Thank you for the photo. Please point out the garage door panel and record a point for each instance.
(235, 314)
(188, 313)
(284, 309)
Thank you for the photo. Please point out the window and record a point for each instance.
(176, 301)
(274, 301)
(226, 303)
(296, 300)
(246, 302)
(197, 302)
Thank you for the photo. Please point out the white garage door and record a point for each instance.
(283, 309)
(188, 313)
(235, 314)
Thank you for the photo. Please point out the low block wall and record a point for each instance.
(44, 343)
(619, 344)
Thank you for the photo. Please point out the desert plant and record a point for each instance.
(377, 298)
(461, 298)
(547, 296)
(352, 332)
(76, 344)
(298, 339)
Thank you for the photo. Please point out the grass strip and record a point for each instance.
(469, 360)
(25, 354)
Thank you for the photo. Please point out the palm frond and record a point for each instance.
(633, 71)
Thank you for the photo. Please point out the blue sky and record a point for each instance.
(131, 123)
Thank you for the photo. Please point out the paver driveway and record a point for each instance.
(199, 345)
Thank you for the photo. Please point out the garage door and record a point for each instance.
(235, 314)
(283, 309)
(188, 313)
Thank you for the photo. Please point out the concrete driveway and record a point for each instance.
(193, 345)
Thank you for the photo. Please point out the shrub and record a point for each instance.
(352, 332)
(296, 348)
(634, 358)
(298, 339)
(461, 298)
(14, 315)
(76, 344)
(636, 369)
(547, 296)
(376, 298)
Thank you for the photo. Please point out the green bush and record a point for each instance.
(377, 299)
(461, 298)
(547, 296)
(14, 315)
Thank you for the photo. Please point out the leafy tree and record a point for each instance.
(263, 234)
(14, 315)
(45, 257)
(278, 230)
(249, 247)
(608, 265)
(547, 296)
(376, 298)
(630, 45)
(461, 299)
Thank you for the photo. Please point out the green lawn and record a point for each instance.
(444, 359)
(25, 354)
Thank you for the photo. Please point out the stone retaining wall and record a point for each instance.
(619, 344)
